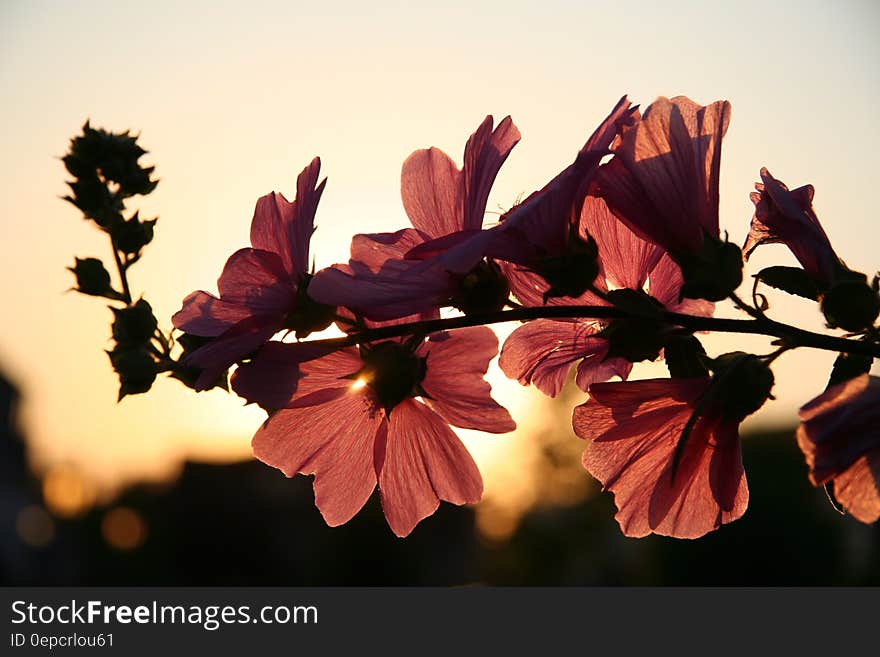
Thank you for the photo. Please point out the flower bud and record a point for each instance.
(741, 384)
(94, 200)
(713, 273)
(92, 278)
(484, 289)
(685, 356)
(131, 235)
(640, 336)
(136, 369)
(134, 325)
(851, 304)
(572, 273)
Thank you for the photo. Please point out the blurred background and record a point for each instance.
(232, 100)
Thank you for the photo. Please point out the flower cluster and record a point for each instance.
(618, 259)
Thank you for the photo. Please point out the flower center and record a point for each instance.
(392, 371)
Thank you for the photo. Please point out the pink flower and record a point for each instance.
(839, 435)
(663, 179)
(788, 217)
(542, 351)
(536, 236)
(262, 289)
(663, 182)
(378, 415)
(419, 269)
(662, 485)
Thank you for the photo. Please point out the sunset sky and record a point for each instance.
(233, 99)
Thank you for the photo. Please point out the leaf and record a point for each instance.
(793, 280)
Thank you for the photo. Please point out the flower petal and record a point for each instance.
(424, 462)
(374, 250)
(225, 350)
(625, 257)
(634, 429)
(787, 216)
(484, 153)
(429, 184)
(285, 227)
(543, 350)
(858, 488)
(257, 279)
(282, 372)
(335, 442)
(840, 426)
(205, 315)
(454, 383)
(399, 289)
(544, 216)
(663, 180)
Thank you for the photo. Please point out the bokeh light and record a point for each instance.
(123, 528)
(67, 492)
(34, 526)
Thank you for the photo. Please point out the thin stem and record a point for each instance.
(742, 305)
(793, 336)
(122, 273)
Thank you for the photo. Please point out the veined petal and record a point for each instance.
(542, 352)
(225, 350)
(334, 441)
(484, 153)
(429, 184)
(424, 462)
(839, 427)
(626, 258)
(544, 216)
(257, 279)
(375, 249)
(282, 372)
(857, 488)
(399, 289)
(457, 362)
(634, 430)
(285, 227)
(205, 315)
(663, 181)
(787, 216)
